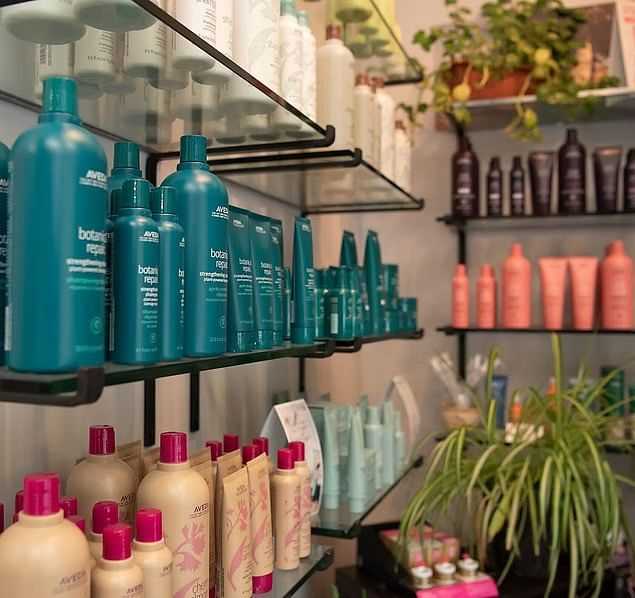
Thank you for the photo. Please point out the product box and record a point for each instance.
(436, 547)
(484, 587)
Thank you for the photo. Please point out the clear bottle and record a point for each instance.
(306, 502)
(152, 555)
(117, 574)
(43, 22)
(286, 489)
(103, 477)
(43, 554)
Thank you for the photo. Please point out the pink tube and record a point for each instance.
(584, 274)
(553, 275)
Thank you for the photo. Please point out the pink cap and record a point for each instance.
(487, 271)
(1, 517)
(262, 442)
(41, 494)
(231, 442)
(19, 501)
(517, 250)
(173, 447)
(69, 506)
(460, 270)
(105, 513)
(149, 524)
(101, 440)
(297, 448)
(249, 452)
(215, 448)
(117, 542)
(261, 584)
(80, 522)
(285, 459)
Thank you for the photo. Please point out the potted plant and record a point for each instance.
(550, 491)
(515, 47)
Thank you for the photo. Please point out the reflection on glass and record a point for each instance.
(43, 21)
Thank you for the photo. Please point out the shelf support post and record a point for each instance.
(195, 401)
(149, 412)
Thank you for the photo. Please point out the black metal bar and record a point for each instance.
(152, 167)
(528, 220)
(195, 401)
(462, 245)
(416, 205)
(462, 357)
(302, 376)
(451, 331)
(149, 412)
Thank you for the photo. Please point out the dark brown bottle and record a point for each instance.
(517, 188)
(495, 188)
(572, 176)
(465, 181)
(629, 182)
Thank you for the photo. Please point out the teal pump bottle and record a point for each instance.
(287, 311)
(4, 215)
(171, 273)
(374, 283)
(278, 280)
(136, 254)
(203, 211)
(262, 258)
(57, 202)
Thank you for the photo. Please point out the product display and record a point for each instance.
(95, 57)
(385, 127)
(357, 464)
(486, 298)
(364, 119)
(553, 276)
(145, 52)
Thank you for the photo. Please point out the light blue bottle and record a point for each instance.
(262, 260)
(136, 255)
(203, 211)
(374, 439)
(4, 199)
(171, 273)
(57, 202)
(278, 281)
(357, 475)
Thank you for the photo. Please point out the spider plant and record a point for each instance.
(559, 490)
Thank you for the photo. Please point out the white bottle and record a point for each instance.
(52, 61)
(43, 22)
(388, 445)
(364, 120)
(386, 127)
(403, 157)
(291, 84)
(335, 87)
(219, 74)
(152, 555)
(400, 444)
(146, 50)
(95, 57)
(255, 48)
(112, 15)
(373, 439)
(309, 67)
(169, 77)
(121, 84)
(199, 16)
(285, 489)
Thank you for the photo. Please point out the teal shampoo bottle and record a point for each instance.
(4, 215)
(171, 273)
(348, 250)
(203, 212)
(303, 327)
(57, 201)
(262, 259)
(278, 281)
(287, 312)
(374, 283)
(241, 332)
(321, 294)
(136, 254)
(340, 303)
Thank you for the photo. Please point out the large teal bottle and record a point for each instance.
(57, 240)
(171, 273)
(203, 209)
(4, 198)
(278, 281)
(374, 283)
(262, 260)
(136, 254)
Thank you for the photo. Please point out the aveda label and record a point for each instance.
(75, 582)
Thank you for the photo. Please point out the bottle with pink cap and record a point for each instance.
(460, 298)
(103, 476)
(516, 293)
(182, 496)
(285, 486)
(262, 444)
(306, 503)
(486, 298)
(117, 574)
(616, 287)
(69, 505)
(152, 555)
(105, 513)
(41, 537)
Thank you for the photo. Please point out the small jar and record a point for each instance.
(422, 577)
(468, 567)
(445, 572)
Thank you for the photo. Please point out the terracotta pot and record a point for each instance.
(508, 86)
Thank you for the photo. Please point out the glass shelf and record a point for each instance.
(612, 104)
(318, 182)
(129, 86)
(451, 331)
(375, 42)
(355, 345)
(287, 583)
(530, 221)
(341, 523)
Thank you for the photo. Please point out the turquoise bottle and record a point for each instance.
(287, 308)
(203, 210)
(171, 273)
(4, 198)
(136, 255)
(374, 283)
(262, 260)
(57, 202)
(321, 293)
(278, 281)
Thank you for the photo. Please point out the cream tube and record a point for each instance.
(584, 273)
(553, 273)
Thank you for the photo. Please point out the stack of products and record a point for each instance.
(203, 522)
(613, 275)
(571, 165)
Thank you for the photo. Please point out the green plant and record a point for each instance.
(536, 38)
(559, 490)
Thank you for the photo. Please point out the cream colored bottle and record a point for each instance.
(182, 496)
(104, 513)
(117, 575)
(306, 503)
(103, 476)
(152, 555)
(286, 507)
(43, 555)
